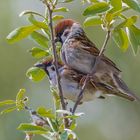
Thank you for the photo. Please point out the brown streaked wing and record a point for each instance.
(90, 47)
(68, 72)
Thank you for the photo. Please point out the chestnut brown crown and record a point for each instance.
(61, 26)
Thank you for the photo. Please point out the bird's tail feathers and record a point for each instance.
(124, 91)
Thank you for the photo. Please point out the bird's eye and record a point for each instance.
(66, 33)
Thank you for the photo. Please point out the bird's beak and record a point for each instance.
(39, 65)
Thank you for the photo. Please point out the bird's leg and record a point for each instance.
(91, 80)
(82, 80)
(93, 83)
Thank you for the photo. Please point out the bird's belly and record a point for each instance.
(71, 92)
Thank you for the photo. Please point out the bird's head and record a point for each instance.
(62, 29)
(48, 66)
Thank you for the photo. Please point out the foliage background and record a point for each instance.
(113, 118)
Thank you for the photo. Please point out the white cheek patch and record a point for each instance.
(52, 75)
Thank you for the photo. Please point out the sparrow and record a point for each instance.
(79, 53)
(71, 83)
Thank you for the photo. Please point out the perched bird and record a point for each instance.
(71, 83)
(79, 53)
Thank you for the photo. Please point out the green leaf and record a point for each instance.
(116, 4)
(54, 124)
(42, 111)
(20, 33)
(96, 8)
(35, 74)
(32, 128)
(7, 102)
(73, 125)
(93, 0)
(38, 53)
(121, 39)
(61, 9)
(134, 4)
(65, 1)
(114, 13)
(61, 127)
(20, 95)
(28, 12)
(56, 98)
(127, 22)
(64, 135)
(134, 37)
(109, 16)
(92, 21)
(64, 112)
(76, 115)
(71, 117)
(8, 110)
(19, 99)
(57, 17)
(40, 39)
(70, 132)
(79, 114)
(37, 23)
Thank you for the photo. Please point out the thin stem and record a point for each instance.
(55, 58)
(34, 114)
(55, 61)
(32, 12)
(105, 43)
(97, 59)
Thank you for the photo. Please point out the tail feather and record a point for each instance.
(124, 91)
(115, 91)
(126, 96)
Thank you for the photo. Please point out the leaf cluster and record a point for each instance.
(109, 15)
(17, 104)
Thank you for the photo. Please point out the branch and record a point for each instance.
(37, 119)
(97, 60)
(49, 6)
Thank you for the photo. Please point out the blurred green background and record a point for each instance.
(110, 119)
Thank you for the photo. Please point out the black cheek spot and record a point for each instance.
(52, 68)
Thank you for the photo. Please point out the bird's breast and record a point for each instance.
(71, 90)
(78, 59)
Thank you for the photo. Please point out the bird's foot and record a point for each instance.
(82, 80)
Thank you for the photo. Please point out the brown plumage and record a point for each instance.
(70, 82)
(63, 25)
(79, 53)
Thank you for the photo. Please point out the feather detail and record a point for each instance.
(112, 84)
(62, 25)
(124, 90)
(71, 74)
(78, 39)
(90, 47)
